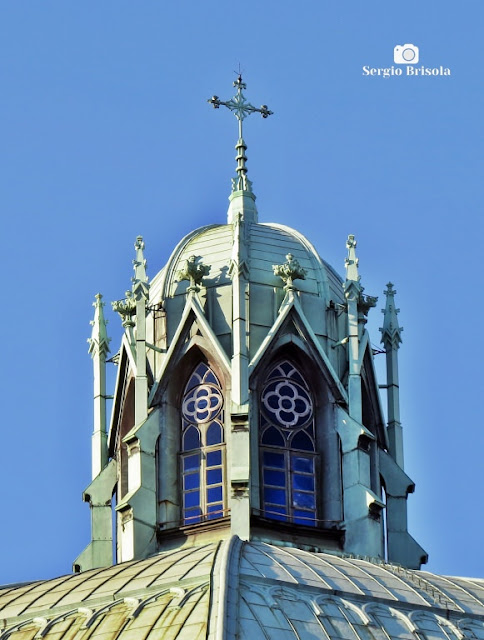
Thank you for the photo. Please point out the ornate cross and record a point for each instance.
(241, 109)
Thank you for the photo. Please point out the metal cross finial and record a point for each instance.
(239, 105)
(241, 109)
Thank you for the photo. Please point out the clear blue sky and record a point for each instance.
(106, 134)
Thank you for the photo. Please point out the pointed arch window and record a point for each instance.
(202, 447)
(287, 447)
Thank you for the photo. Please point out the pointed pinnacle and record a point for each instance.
(351, 286)
(391, 331)
(351, 262)
(99, 341)
(140, 279)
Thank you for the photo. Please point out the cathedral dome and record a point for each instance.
(268, 244)
(240, 589)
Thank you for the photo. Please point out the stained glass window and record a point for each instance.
(287, 445)
(202, 445)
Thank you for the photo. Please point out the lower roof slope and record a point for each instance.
(251, 590)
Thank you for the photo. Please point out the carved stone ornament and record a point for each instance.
(193, 271)
(126, 309)
(290, 271)
(365, 303)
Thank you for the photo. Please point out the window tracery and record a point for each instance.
(202, 447)
(288, 448)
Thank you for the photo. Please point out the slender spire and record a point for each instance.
(351, 262)
(241, 185)
(140, 279)
(139, 289)
(353, 286)
(391, 331)
(98, 348)
(99, 341)
(391, 339)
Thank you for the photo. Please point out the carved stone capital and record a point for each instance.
(126, 309)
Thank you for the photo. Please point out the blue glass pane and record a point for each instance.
(275, 496)
(195, 379)
(191, 462)
(297, 378)
(287, 403)
(214, 494)
(302, 441)
(214, 476)
(192, 516)
(303, 500)
(276, 513)
(210, 377)
(191, 481)
(274, 437)
(214, 458)
(214, 434)
(215, 511)
(286, 418)
(286, 368)
(301, 406)
(192, 499)
(191, 439)
(277, 478)
(304, 517)
(286, 390)
(306, 465)
(272, 459)
(273, 401)
(305, 483)
(190, 407)
(201, 370)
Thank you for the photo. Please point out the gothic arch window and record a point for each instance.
(202, 447)
(287, 447)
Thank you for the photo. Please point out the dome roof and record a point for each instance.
(251, 590)
(267, 244)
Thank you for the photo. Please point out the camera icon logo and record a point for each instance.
(405, 54)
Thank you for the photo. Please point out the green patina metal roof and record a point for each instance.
(130, 600)
(250, 590)
(269, 245)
